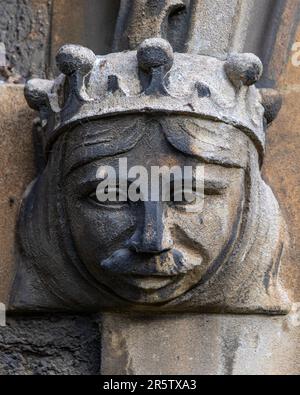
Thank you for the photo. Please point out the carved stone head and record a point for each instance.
(153, 108)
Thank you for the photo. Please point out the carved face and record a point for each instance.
(152, 251)
(79, 254)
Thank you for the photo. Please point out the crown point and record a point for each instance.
(36, 92)
(155, 53)
(272, 102)
(245, 69)
(71, 58)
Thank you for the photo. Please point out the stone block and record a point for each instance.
(201, 345)
(16, 172)
(281, 168)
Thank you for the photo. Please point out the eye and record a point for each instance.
(115, 198)
(181, 198)
(184, 197)
(214, 187)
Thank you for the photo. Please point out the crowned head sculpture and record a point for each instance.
(155, 108)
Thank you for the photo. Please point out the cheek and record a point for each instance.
(97, 229)
(212, 228)
(218, 217)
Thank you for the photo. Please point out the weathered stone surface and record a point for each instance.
(277, 45)
(219, 27)
(90, 23)
(219, 345)
(206, 27)
(50, 345)
(141, 19)
(201, 344)
(16, 171)
(25, 29)
(282, 164)
(161, 255)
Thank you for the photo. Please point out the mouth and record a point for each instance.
(150, 283)
(150, 275)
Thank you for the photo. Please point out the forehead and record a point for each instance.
(135, 136)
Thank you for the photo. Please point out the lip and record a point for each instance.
(150, 283)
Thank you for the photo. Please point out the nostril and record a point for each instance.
(150, 242)
(132, 245)
(143, 248)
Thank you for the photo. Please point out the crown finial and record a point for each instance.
(76, 62)
(272, 102)
(72, 58)
(36, 93)
(155, 58)
(155, 52)
(243, 69)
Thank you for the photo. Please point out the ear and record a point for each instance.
(272, 102)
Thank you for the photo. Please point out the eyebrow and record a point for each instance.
(213, 186)
(86, 160)
(206, 157)
(209, 184)
(210, 158)
(219, 153)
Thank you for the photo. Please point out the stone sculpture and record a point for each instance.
(155, 108)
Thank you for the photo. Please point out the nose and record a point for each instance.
(152, 236)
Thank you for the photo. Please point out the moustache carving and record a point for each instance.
(166, 264)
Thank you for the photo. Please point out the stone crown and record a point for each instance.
(153, 79)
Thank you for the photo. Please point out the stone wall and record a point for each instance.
(282, 165)
(25, 27)
(33, 30)
(50, 345)
(16, 172)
